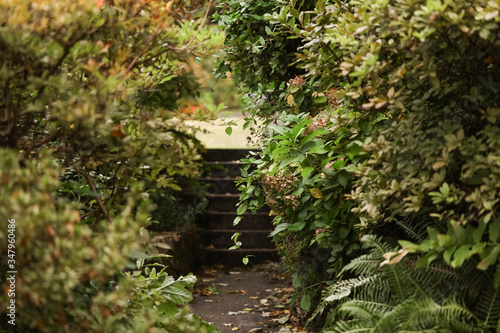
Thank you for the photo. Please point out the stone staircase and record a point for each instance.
(216, 226)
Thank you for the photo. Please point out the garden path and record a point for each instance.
(244, 300)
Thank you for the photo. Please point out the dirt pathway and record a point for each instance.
(247, 301)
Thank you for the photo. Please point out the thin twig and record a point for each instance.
(90, 181)
(142, 51)
(199, 28)
(37, 144)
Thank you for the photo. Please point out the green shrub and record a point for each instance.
(91, 101)
(430, 68)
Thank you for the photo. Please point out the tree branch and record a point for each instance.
(40, 143)
(90, 181)
(199, 28)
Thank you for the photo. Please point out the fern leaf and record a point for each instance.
(488, 309)
(344, 288)
(363, 265)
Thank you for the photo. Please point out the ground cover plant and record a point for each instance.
(402, 97)
(91, 125)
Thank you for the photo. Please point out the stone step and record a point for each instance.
(231, 258)
(219, 155)
(227, 203)
(221, 185)
(221, 239)
(225, 168)
(224, 220)
(222, 202)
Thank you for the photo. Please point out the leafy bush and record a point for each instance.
(92, 94)
(68, 272)
(303, 173)
(430, 177)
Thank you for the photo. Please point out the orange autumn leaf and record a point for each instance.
(190, 109)
(99, 3)
(117, 131)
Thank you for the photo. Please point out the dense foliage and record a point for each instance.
(92, 95)
(407, 95)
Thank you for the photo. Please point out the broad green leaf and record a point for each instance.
(305, 302)
(289, 160)
(306, 171)
(460, 255)
(237, 220)
(297, 226)
(490, 259)
(342, 177)
(494, 230)
(175, 290)
(279, 228)
(242, 208)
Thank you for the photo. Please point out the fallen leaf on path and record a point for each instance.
(281, 320)
(256, 330)
(237, 292)
(228, 325)
(233, 313)
(208, 280)
(264, 301)
(223, 284)
(235, 328)
(210, 272)
(266, 314)
(234, 273)
(247, 309)
(209, 300)
(254, 297)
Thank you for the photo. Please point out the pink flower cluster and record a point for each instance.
(320, 122)
(329, 165)
(278, 190)
(332, 99)
(319, 231)
(295, 82)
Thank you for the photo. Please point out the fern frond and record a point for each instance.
(347, 327)
(376, 244)
(488, 308)
(415, 229)
(375, 309)
(375, 291)
(426, 314)
(363, 265)
(344, 288)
